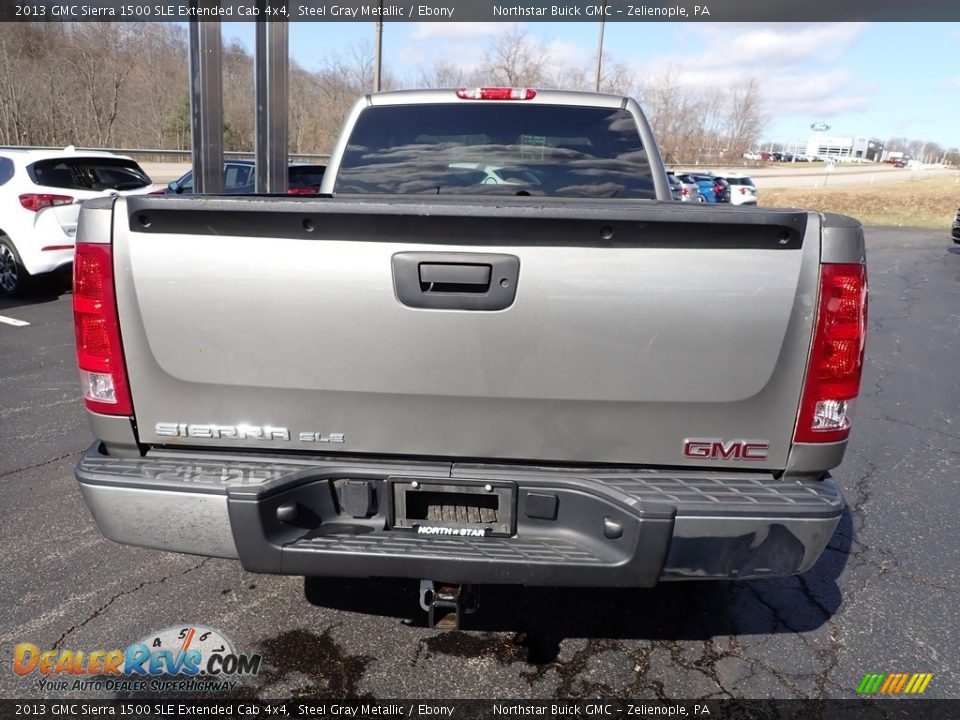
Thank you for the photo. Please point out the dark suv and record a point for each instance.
(955, 234)
(721, 190)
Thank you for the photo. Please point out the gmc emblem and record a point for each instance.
(718, 449)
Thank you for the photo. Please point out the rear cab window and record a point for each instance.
(474, 148)
(89, 174)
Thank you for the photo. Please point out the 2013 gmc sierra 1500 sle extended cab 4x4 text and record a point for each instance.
(492, 351)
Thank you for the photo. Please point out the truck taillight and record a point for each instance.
(35, 202)
(496, 93)
(836, 355)
(103, 374)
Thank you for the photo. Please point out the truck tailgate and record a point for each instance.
(628, 328)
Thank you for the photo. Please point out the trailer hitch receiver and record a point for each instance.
(447, 603)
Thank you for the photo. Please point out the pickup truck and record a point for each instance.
(492, 350)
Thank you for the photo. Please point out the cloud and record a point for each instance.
(818, 95)
(772, 52)
(778, 46)
(912, 126)
(461, 43)
(797, 67)
(564, 52)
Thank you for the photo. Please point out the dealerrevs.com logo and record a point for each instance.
(184, 658)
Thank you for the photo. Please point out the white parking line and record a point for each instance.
(13, 321)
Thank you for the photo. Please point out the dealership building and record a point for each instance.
(844, 147)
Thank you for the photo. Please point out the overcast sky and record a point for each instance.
(874, 79)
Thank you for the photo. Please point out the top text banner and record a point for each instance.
(636, 11)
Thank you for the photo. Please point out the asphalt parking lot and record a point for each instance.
(884, 597)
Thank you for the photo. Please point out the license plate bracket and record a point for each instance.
(469, 509)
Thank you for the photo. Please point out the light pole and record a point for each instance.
(378, 60)
(603, 22)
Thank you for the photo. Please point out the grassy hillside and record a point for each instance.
(927, 203)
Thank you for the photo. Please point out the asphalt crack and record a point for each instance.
(812, 597)
(921, 428)
(828, 658)
(776, 673)
(888, 562)
(706, 664)
(779, 619)
(570, 671)
(58, 458)
(103, 608)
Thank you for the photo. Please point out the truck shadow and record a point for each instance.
(544, 617)
(46, 289)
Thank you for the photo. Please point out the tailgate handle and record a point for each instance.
(454, 277)
(456, 281)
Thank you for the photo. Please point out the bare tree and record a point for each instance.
(514, 59)
(687, 122)
(103, 57)
(896, 144)
(931, 152)
(442, 74)
(162, 81)
(744, 118)
(238, 98)
(914, 148)
(331, 92)
(615, 77)
(303, 108)
(14, 94)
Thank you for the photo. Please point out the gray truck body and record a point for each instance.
(296, 390)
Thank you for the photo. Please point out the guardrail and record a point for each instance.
(163, 154)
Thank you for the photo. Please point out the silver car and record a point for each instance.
(684, 191)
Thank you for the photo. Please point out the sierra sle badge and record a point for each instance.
(242, 432)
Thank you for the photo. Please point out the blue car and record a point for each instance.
(712, 188)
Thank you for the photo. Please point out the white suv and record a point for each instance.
(743, 191)
(40, 196)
